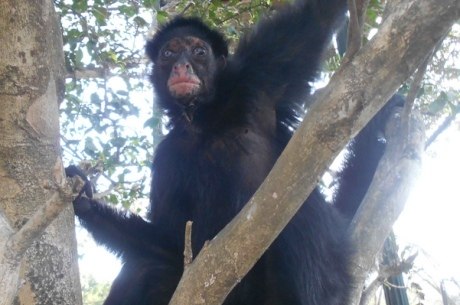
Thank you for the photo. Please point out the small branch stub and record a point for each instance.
(188, 252)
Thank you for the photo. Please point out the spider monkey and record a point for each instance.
(230, 118)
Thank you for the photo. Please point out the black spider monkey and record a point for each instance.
(230, 118)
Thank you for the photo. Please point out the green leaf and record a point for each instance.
(80, 6)
(128, 11)
(438, 104)
(162, 16)
(78, 56)
(118, 142)
(90, 147)
(140, 21)
(152, 122)
(150, 3)
(73, 35)
(101, 14)
(95, 99)
(122, 92)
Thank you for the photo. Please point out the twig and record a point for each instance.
(241, 12)
(354, 31)
(189, 5)
(440, 130)
(35, 226)
(188, 251)
(357, 9)
(415, 88)
(417, 80)
(384, 273)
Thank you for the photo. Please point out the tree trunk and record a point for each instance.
(31, 86)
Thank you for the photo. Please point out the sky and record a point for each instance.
(431, 218)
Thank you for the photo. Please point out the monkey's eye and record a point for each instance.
(166, 53)
(199, 51)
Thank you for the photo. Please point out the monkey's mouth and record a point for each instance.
(183, 87)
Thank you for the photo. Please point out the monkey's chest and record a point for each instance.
(209, 180)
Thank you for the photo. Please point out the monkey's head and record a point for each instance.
(187, 56)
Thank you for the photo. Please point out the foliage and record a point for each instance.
(232, 17)
(440, 94)
(106, 116)
(94, 292)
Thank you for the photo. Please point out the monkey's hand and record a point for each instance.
(81, 186)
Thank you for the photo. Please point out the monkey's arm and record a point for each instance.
(283, 53)
(121, 232)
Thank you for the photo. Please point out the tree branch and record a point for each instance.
(13, 245)
(188, 252)
(386, 196)
(34, 227)
(384, 273)
(417, 81)
(8, 266)
(445, 124)
(357, 10)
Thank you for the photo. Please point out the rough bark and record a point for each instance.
(31, 173)
(355, 93)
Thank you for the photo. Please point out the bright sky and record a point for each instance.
(431, 218)
(96, 260)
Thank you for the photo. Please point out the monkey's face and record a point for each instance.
(185, 69)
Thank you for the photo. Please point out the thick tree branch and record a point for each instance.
(355, 93)
(32, 85)
(390, 188)
(386, 196)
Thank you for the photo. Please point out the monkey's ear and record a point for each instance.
(222, 62)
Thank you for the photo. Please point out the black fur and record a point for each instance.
(365, 152)
(190, 26)
(221, 145)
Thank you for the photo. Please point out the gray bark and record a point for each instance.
(38, 256)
